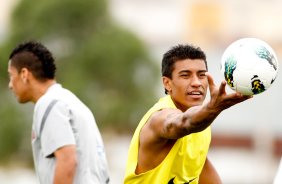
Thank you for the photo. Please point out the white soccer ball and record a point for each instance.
(249, 66)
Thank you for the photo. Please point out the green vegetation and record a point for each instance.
(105, 65)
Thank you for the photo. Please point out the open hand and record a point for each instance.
(220, 100)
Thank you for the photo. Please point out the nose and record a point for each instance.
(196, 81)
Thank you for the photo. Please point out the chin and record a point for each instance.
(22, 101)
(193, 101)
(191, 104)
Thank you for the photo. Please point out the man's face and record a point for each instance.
(188, 85)
(18, 83)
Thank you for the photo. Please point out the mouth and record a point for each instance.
(196, 93)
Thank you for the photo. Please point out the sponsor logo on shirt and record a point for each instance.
(33, 135)
(172, 181)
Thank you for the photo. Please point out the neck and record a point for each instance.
(41, 88)
(179, 106)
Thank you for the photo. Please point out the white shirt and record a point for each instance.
(69, 122)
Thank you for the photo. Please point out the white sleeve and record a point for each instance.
(57, 131)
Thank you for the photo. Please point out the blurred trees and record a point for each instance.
(105, 65)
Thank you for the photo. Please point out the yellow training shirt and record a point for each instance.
(182, 165)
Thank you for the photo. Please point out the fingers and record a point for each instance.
(237, 97)
(222, 87)
(212, 85)
(243, 97)
(210, 81)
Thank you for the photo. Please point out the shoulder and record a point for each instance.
(51, 103)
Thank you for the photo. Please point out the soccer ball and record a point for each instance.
(249, 66)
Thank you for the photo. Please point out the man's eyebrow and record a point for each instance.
(200, 71)
(189, 71)
(184, 71)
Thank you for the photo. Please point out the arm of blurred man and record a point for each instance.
(209, 174)
(66, 163)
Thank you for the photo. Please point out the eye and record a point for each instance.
(202, 75)
(184, 75)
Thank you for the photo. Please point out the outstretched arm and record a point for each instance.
(173, 124)
(202, 116)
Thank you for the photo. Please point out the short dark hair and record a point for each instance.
(177, 53)
(36, 58)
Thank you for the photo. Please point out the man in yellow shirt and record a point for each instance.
(171, 142)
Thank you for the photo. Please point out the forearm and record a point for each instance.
(195, 119)
(198, 118)
(179, 124)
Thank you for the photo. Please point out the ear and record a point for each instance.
(167, 83)
(24, 74)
